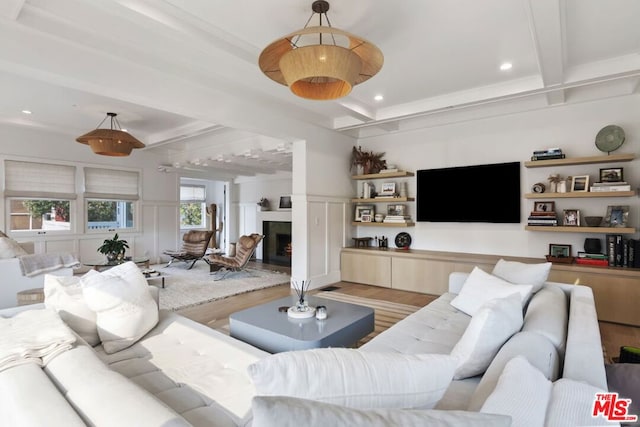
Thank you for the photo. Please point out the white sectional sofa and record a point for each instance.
(183, 373)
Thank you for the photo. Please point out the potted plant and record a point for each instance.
(368, 161)
(113, 248)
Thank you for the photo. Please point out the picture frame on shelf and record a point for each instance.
(546, 206)
(580, 183)
(366, 218)
(397, 210)
(387, 189)
(558, 250)
(611, 175)
(363, 210)
(285, 202)
(571, 218)
(617, 216)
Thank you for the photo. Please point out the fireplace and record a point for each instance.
(276, 248)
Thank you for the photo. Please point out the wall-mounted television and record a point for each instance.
(478, 193)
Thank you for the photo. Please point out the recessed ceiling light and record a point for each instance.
(26, 112)
(506, 66)
(378, 97)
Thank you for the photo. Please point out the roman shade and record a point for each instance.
(192, 193)
(111, 184)
(39, 180)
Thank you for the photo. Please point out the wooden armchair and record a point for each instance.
(194, 246)
(245, 248)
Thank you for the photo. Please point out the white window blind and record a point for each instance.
(192, 193)
(39, 180)
(110, 184)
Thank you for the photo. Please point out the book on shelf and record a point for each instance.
(543, 213)
(622, 252)
(547, 156)
(543, 223)
(554, 150)
(389, 170)
(592, 261)
(598, 189)
(607, 184)
(386, 196)
(591, 256)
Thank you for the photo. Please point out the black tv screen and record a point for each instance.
(479, 193)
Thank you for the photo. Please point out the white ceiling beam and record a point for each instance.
(10, 9)
(546, 23)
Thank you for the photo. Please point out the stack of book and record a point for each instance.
(585, 258)
(610, 186)
(548, 154)
(397, 219)
(542, 218)
(622, 252)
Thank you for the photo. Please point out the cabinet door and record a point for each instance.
(420, 275)
(366, 268)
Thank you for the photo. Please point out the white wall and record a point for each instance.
(505, 139)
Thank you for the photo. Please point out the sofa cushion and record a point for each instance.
(572, 403)
(64, 295)
(103, 397)
(548, 315)
(435, 328)
(521, 273)
(538, 351)
(9, 248)
(492, 325)
(355, 378)
(199, 372)
(278, 411)
(481, 287)
(125, 310)
(29, 398)
(522, 392)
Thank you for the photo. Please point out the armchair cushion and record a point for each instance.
(9, 248)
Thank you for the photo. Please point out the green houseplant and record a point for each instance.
(114, 248)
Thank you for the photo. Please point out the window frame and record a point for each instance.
(203, 206)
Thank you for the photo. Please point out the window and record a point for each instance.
(193, 209)
(110, 197)
(40, 196)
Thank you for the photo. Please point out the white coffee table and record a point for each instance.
(265, 327)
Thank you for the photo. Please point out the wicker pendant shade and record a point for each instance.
(321, 71)
(110, 142)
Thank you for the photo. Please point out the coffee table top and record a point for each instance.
(265, 320)
(105, 263)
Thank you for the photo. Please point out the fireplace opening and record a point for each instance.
(276, 248)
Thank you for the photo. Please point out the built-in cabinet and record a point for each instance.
(612, 158)
(616, 290)
(380, 176)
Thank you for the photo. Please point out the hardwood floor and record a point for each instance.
(216, 313)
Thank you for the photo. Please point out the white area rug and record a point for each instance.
(187, 288)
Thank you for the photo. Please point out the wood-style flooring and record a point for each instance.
(216, 313)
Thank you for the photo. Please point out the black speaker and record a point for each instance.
(592, 246)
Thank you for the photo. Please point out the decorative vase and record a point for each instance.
(379, 217)
(562, 186)
(111, 256)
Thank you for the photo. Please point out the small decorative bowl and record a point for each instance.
(593, 221)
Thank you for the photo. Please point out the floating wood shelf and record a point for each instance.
(570, 229)
(399, 174)
(385, 200)
(579, 195)
(580, 160)
(383, 224)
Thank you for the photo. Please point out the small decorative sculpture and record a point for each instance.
(554, 179)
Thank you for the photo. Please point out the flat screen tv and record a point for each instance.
(479, 193)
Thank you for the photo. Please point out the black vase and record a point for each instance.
(592, 246)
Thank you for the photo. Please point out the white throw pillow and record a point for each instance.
(522, 392)
(125, 309)
(571, 405)
(355, 378)
(9, 248)
(64, 295)
(481, 287)
(491, 326)
(280, 411)
(520, 273)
